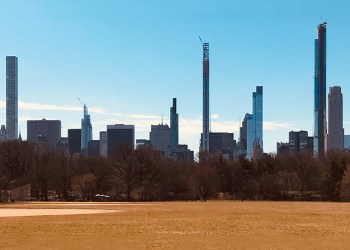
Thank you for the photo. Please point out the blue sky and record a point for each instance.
(127, 60)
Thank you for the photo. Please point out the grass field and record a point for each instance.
(181, 225)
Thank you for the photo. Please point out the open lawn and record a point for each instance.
(177, 225)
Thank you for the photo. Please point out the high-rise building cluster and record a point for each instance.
(333, 138)
(251, 131)
(165, 139)
(325, 137)
(328, 133)
(47, 133)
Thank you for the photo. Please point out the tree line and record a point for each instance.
(145, 175)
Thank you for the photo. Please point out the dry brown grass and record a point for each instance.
(183, 225)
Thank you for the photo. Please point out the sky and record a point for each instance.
(127, 59)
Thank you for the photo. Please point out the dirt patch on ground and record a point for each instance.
(16, 212)
(182, 225)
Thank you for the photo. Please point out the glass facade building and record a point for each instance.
(320, 91)
(250, 134)
(174, 128)
(12, 97)
(86, 130)
(258, 116)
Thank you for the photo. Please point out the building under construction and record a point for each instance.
(205, 133)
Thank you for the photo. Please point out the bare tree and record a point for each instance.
(204, 180)
(85, 184)
(16, 158)
(63, 172)
(126, 169)
(268, 176)
(151, 169)
(100, 168)
(43, 172)
(334, 168)
(306, 169)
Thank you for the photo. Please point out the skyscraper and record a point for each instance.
(74, 140)
(44, 130)
(250, 134)
(160, 138)
(223, 144)
(258, 116)
(12, 97)
(119, 135)
(252, 125)
(243, 131)
(299, 142)
(86, 130)
(335, 138)
(320, 91)
(103, 143)
(174, 128)
(205, 134)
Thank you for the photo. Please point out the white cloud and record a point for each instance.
(273, 125)
(25, 118)
(39, 106)
(189, 128)
(141, 116)
(214, 116)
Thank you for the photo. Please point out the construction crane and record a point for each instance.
(80, 101)
(200, 39)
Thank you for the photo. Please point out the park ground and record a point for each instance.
(175, 225)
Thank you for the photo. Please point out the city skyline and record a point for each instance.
(51, 75)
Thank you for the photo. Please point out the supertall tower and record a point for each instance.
(205, 134)
(86, 130)
(320, 91)
(258, 116)
(254, 124)
(12, 97)
(174, 128)
(335, 138)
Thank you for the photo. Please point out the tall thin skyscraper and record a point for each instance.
(335, 138)
(12, 97)
(86, 130)
(320, 91)
(258, 116)
(205, 134)
(243, 131)
(174, 128)
(254, 124)
(250, 134)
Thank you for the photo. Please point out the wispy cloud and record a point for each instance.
(189, 128)
(143, 117)
(40, 106)
(273, 125)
